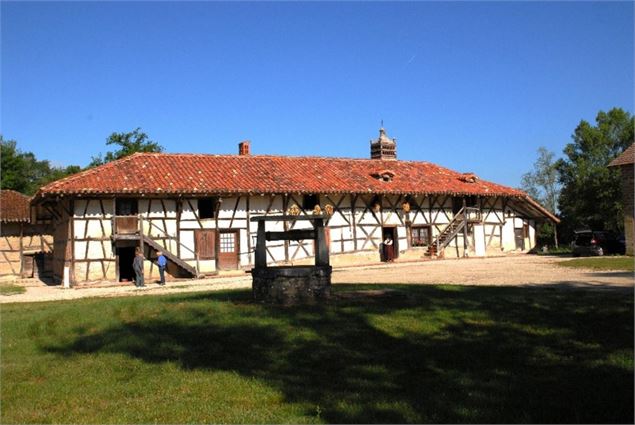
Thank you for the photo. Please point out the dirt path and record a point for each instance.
(517, 270)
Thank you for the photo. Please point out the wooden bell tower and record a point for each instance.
(383, 147)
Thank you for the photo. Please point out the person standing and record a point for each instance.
(389, 249)
(137, 265)
(162, 262)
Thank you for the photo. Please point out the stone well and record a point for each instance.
(292, 285)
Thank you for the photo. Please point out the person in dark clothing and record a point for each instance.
(137, 265)
(162, 262)
(389, 250)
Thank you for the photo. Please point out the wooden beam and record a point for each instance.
(285, 224)
(71, 220)
(21, 249)
(179, 206)
(248, 229)
(290, 235)
(353, 202)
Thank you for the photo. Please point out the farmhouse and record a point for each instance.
(197, 209)
(625, 163)
(25, 244)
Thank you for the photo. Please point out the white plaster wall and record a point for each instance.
(532, 234)
(479, 240)
(79, 227)
(492, 235)
(509, 242)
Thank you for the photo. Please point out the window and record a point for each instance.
(207, 207)
(227, 242)
(205, 244)
(420, 235)
(309, 202)
(126, 206)
(457, 204)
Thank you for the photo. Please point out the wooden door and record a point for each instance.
(205, 244)
(228, 249)
(520, 239)
(390, 252)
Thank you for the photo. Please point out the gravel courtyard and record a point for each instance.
(513, 270)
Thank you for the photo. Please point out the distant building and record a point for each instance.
(197, 209)
(625, 163)
(25, 245)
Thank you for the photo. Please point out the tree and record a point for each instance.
(591, 192)
(542, 185)
(22, 172)
(129, 143)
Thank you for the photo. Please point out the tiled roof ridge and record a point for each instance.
(246, 157)
(298, 157)
(88, 172)
(16, 192)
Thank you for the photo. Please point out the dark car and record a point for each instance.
(590, 242)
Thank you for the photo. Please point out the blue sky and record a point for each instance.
(473, 86)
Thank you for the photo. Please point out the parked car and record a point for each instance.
(590, 242)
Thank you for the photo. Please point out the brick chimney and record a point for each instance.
(244, 148)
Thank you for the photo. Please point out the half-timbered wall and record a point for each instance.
(93, 256)
(19, 238)
(62, 239)
(355, 226)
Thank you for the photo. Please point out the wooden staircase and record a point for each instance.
(171, 257)
(131, 228)
(461, 220)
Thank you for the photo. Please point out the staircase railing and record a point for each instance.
(460, 221)
(152, 225)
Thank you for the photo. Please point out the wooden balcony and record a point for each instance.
(126, 225)
(473, 215)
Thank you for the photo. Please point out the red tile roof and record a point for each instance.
(627, 157)
(196, 174)
(14, 206)
(159, 173)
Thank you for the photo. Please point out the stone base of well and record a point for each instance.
(291, 285)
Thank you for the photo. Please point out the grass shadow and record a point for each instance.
(413, 354)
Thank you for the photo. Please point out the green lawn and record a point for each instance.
(602, 263)
(11, 289)
(416, 354)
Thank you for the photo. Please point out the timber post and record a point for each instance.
(321, 256)
(464, 228)
(261, 249)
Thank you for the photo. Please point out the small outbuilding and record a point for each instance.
(26, 242)
(625, 163)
